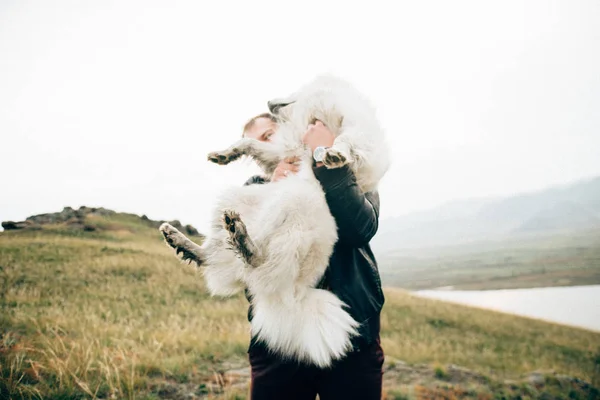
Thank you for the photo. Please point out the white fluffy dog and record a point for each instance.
(276, 239)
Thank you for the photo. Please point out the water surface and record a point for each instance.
(573, 305)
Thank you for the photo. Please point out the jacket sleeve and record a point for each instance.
(356, 213)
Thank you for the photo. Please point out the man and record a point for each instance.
(352, 275)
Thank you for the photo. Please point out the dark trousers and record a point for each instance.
(357, 376)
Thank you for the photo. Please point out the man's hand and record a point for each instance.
(317, 135)
(284, 168)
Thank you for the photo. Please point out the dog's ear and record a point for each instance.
(276, 104)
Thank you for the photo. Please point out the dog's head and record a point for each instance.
(321, 99)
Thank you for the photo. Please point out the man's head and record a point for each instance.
(262, 127)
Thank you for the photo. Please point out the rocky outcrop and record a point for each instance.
(12, 225)
(77, 219)
(185, 229)
(73, 218)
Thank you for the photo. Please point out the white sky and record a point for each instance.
(116, 104)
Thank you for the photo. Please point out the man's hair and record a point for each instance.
(252, 120)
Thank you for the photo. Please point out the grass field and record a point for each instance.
(566, 259)
(113, 314)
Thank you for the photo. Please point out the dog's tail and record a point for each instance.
(312, 327)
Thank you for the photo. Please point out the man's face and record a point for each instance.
(262, 129)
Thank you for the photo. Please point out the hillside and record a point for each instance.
(109, 312)
(526, 261)
(89, 219)
(547, 238)
(568, 208)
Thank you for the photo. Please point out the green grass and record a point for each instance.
(114, 313)
(426, 331)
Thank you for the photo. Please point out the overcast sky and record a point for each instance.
(116, 104)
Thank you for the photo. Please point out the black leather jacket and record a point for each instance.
(352, 274)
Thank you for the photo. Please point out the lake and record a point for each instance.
(573, 305)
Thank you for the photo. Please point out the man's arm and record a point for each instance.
(356, 213)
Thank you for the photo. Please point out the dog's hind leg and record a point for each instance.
(267, 155)
(189, 250)
(239, 240)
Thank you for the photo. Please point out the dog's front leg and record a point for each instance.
(239, 240)
(189, 250)
(337, 155)
(267, 155)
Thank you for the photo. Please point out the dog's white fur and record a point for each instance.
(276, 239)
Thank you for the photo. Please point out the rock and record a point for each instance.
(11, 225)
(190, 230)
(102, 212)
(176, 224)
(76, 223)
(185, 229)
(536, 379)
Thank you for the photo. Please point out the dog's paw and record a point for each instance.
(181, 244)
(238, 235)
(231, 220)
(334, 158)
(172, 236)
(223, 157)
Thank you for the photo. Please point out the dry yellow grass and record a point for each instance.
(420, 330)
(95, 315)
(100, 315)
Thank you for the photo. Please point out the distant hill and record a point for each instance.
(563, 208)
(89, 219)
(561, 216)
